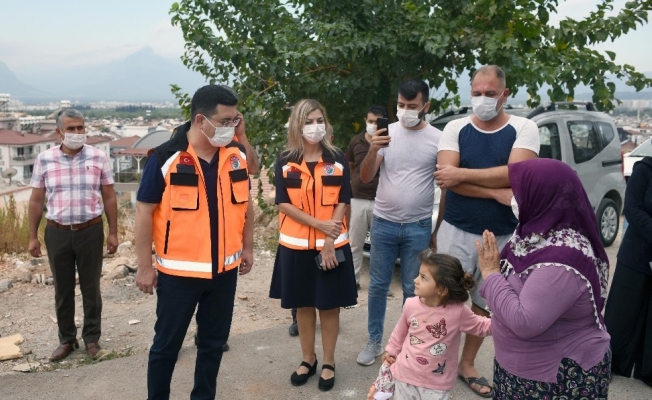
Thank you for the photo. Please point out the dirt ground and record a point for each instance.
(128, 315)
(28, 307)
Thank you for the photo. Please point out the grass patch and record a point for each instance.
(14, 228)
(84, 359)
(270, 240)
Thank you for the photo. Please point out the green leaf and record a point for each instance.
(350, 54)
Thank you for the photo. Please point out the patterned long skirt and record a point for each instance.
(573, 383)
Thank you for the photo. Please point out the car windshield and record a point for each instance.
(644, 150)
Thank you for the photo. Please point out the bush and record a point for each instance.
(14, 228)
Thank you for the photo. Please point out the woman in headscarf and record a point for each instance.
(548, 291)
(629, 308)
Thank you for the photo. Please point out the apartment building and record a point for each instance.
(18, 150)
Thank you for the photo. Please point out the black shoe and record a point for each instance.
(326, 384)
(357, 286)
(294, 329)
(298, 380)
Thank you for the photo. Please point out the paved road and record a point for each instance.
(257, 367)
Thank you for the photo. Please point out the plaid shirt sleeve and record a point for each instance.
(107, 173)
(38, 181)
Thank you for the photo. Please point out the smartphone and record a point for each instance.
(382, 123)
(339, 256)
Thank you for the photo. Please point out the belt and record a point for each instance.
(76, 227)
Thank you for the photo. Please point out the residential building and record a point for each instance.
(18, 150)
(122, 162)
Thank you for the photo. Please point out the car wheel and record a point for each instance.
(608, 221)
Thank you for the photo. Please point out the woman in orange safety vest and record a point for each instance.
(313, 268)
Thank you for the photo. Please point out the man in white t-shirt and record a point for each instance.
(406, 156)
(472, 173)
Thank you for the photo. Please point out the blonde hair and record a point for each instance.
(294, 146)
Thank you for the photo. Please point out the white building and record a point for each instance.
(18, 150)
(135, 130)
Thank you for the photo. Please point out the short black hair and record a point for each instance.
(377, 110)
(412, 87)
(206, 99)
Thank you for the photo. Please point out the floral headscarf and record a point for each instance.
(556, 227)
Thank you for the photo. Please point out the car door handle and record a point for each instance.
(611, 162)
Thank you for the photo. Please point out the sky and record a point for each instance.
(36, 35)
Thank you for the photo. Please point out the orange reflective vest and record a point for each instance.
(316, 195)
(181, 223)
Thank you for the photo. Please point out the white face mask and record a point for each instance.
(223, 135)
(314, 133)
(514, 206)
(408, 118)
(74, 141)
(371, 129)
(485, 107)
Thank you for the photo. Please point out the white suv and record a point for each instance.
(587, 141)
(643, 150)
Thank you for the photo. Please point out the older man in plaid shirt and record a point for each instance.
(74, 177)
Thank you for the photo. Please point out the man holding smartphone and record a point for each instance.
(405, 155)
(364, 194)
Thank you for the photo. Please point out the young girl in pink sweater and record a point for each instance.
(422, 353)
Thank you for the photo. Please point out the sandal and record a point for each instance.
(482, 382)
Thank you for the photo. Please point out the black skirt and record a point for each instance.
(298, 282)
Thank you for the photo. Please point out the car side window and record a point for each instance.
(549, 138)
(606, 132)
(584, 140)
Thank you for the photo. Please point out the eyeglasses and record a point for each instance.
(226, 123)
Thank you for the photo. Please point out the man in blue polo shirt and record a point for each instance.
(472, 173)
(185, 200)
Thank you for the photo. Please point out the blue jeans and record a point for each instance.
(177, 298)
(390, 240)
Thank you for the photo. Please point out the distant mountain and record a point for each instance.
(9, 83)
(146, 76)
(140, 77)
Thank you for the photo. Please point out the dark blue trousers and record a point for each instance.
(177, 298)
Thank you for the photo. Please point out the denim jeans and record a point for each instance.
(390, 240)
(177, 298)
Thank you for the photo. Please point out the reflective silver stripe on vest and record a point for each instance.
(294, 241)
(233, 258)
(189, 266)
(342, 238)
(168, 163)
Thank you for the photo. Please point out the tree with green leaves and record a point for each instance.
(349, 54)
